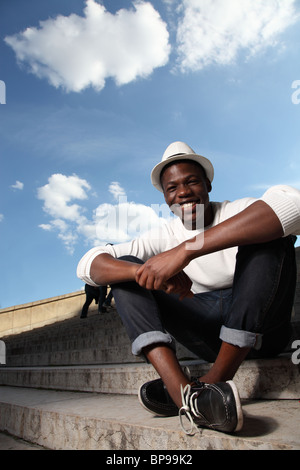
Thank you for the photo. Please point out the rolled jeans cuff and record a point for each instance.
(241, 338)
(151, 337)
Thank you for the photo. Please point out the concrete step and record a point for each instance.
(86, 421)
(98, 339)
(256, 379)
(8, 442)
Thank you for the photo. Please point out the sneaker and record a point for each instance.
(215, 406)
(154, 397)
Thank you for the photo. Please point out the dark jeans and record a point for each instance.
(254, 313)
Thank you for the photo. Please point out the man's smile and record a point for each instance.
(189, 204)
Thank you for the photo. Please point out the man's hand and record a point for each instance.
(165, 272)
(179, 284)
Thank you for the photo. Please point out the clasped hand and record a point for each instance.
(165, 272)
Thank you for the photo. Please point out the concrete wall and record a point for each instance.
(15, 320)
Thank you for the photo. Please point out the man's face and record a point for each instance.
(186, 191)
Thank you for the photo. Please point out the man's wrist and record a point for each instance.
(193, 247)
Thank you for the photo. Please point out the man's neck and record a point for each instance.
(209, 215)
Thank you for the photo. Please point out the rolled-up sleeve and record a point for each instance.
(285, 202)
(84, 265)
(116, 251)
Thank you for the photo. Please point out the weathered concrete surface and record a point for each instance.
(260, 379)
(8, 442)
(98, 339)
(83, 421)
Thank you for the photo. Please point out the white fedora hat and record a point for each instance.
(180, 151)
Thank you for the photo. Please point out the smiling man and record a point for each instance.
(187, 203)
(220, 279)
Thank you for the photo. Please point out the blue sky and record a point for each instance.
(94, 93)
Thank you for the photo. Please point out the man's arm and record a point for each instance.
(258, 223)
(105, 269)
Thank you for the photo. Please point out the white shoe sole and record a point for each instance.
(239, 411)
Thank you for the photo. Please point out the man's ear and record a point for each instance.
(208, 185)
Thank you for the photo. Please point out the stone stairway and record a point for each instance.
(73, 385)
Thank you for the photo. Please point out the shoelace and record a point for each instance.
(187, 408)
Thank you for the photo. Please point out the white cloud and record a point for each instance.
(46, 227)
(58, 196)
(18, 185)
(116, 190)
(76, 52)
(114, 223)
(215, 32)
(1, 217)
(122, 222)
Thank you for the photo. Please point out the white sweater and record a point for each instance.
(215, 270)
